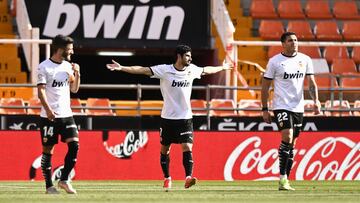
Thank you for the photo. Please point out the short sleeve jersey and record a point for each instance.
(288, 74)
(176, 87)
(55, 77)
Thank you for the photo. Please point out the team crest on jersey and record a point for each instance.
(281, 124)
(301, 64)
(45, 139)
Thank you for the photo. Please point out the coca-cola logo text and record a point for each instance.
(318, 162)
(133, 141)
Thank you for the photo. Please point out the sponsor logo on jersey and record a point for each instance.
(293, 75)
(60, 83)
(181, 83)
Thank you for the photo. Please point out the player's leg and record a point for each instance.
(49, 138)
(285, 124)
(186, 138)
(166, 132)
(297, 120)
(188, 164)
(165, 162)
(70, 135)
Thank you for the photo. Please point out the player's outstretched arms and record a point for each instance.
(214, 69)
(129, 69)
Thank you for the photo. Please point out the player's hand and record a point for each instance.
(75, 68)
(50, 115)
(227, 66)
(113, 66)
(266, 116)
(317, 107)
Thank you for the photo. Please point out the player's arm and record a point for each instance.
(129, 69)
(265, 86)
(42, 96)
(75, 84)
(214, 69)
(313, 91)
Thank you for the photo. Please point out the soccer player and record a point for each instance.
(288, 70)
(176, 116)
(56, 78)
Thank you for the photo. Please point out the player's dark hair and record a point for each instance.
(182, 49)
(285, 35)
(60, 42)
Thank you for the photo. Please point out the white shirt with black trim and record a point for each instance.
(56, 78)
(176, 87)
(288, 74)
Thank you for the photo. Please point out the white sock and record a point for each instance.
(283, 176)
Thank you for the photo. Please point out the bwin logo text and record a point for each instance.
(184, 83)
(60, 83)
(293, 75)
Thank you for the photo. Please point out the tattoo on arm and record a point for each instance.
(313, 92)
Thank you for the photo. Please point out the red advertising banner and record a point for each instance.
(121, 155)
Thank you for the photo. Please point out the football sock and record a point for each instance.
(188, 163)
(46, 169)
(284, 149)
(165, 161)
(290, 161)
(70, 159)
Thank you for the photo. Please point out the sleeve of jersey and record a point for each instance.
(198, 71)
(157, 71)
(41, 76)
(310, 67)
(270, 71)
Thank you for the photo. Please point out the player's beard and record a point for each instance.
(66, 56)
(187, 63)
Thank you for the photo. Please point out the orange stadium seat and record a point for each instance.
(34, 102)
(351, 30)
(333, 52)
(318, 9)
(313, 52)
(345, 10)
(271, 29)
(350, 82)
(343, 66)
(12, 102)
(262, 9)
(100, 103)
(198, 103)
(301, 28)
(357, 105)
(273, 50)
(151, 104)
(343, 108)
(76, 106)
(222, 103)
(355, 55)
(323, 81)
(327, 31)
(290, 9)
(129, 108)
(249, 104)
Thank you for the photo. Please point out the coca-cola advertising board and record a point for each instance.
(134, 155)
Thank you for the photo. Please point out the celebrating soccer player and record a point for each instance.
(176, 116)
(56, 78)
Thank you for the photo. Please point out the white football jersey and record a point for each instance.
(288, 74)
(56, 78)
(176, 87)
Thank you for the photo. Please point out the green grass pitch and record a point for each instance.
(204, 191)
